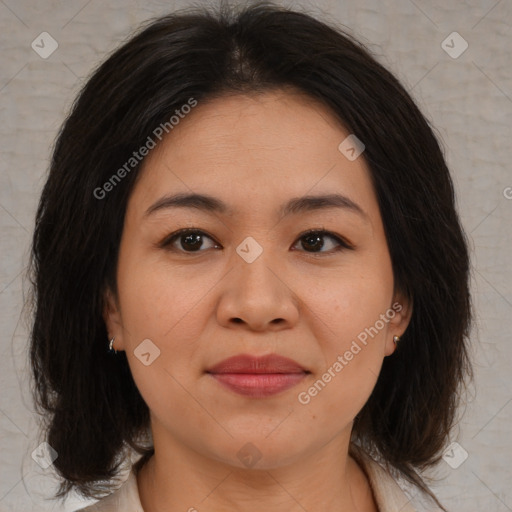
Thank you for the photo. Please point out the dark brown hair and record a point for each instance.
(92, 408)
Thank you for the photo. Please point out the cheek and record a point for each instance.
(350, 324)
(166, 307)
(353, 302)
(352, 352)
(158, 299)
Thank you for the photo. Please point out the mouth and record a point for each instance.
(258, 376)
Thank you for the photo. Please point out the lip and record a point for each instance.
(258, 376)
(245, 363)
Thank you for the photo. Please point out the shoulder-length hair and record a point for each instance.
(93, 408)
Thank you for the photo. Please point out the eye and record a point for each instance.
(190, 240)
(313, 241)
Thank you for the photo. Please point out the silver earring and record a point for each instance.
(396, 339)
(111, 345)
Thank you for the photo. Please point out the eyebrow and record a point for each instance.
(294, 206)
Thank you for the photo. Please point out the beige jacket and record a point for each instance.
(389, 496)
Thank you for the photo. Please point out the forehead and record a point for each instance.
(283, 122)
(254, 150)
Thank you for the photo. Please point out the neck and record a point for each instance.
(178, 479)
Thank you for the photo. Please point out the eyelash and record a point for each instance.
(343, 244)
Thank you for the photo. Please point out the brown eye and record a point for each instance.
(191, 241)
(186, 240)
(313, 242)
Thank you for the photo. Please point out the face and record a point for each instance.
(249, 279)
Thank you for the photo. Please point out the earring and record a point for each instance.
(396, 339)
(111, 345)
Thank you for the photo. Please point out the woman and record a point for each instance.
(249, 270)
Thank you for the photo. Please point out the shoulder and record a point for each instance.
(392, 493)
(123, 499)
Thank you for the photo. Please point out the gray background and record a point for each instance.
(469, 101)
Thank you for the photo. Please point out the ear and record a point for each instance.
(402, 307)
(112, 318)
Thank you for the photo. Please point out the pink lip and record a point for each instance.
(258, 376)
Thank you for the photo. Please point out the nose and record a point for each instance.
(257, 297)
